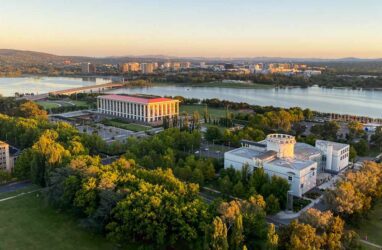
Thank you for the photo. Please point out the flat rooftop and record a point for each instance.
(246, 153)
(336, 145)
(303, 151)
(291, 163)
(143, 99)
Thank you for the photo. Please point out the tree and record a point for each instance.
(377, 138)
(272, 238)
(362, 147)
(352, 153)
(355, 129)
(273, 204)
(327, 131)
(303, 237)
(225, 185)
(197, 176)
(308, 114)
(195, 120)
(218, 235)
(213, 133)
(30, 109)
(346, 200)
(5, 176)
(22, 170)
(236, 236)
(238, 189)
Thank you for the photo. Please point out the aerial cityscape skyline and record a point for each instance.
(199, 28)
(193, 125)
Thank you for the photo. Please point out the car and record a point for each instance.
(205, 149)
(197, 152)
(218, 152)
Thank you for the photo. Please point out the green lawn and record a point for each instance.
(128, 126)
(48, 104)
(20, 191)
(372, 228)
(26, 222)
(213, 112)
(79, 103)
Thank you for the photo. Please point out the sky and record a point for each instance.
(208, 28)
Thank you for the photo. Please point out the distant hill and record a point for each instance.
(10, 56)
(28, 57)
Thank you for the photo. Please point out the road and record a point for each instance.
(14, 186)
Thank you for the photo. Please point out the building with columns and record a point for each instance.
(140, 108)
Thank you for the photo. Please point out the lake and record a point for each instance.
(336, 100)
(40, 85)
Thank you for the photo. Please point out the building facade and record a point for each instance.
(5, 163)
(278, 156)
(141, 108)
(147, 68)
(335, 156)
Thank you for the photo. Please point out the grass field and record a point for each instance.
(213, 112)
(128, 126)
(49, 104)
(372, 228)
(27, 223)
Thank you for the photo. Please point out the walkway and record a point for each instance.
(20, 194)
(371, 244)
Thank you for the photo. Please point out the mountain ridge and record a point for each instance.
(13, 56)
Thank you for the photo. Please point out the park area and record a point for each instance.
(213, 112)
(50, 104)
(27, 222)
(371, 229)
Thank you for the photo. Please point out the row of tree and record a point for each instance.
(244, 184)
(357, 192)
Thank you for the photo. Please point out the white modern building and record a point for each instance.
(277, 155)
(140, 108)
(335, 156)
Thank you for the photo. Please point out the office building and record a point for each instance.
(335, 156)
(185, 65)
(88, 68)
(147, 68)
(140, 108)
(279, 156)
(130, 67)
(175, 66)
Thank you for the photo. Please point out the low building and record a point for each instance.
(277, 155)
(140, 108)
(335, 156)
(5, 163)
(8, 156)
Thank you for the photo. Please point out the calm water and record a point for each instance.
(343, 101)
(36, 85)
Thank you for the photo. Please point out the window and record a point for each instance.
(290, 178)
(302, 185)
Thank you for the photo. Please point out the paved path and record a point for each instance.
(371, 244)
(20, 194)
(14, 186)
